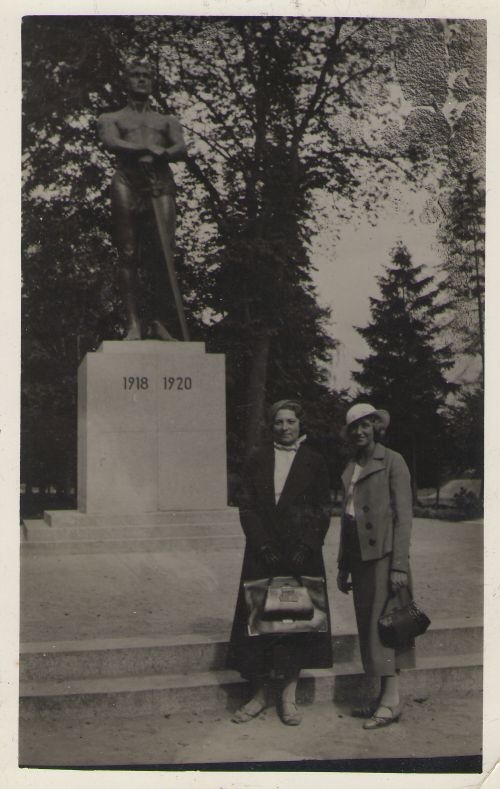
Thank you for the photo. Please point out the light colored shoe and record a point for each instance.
(290, 714)
(248, 712)
(378, 719)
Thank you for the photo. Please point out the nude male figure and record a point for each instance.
(144, 142)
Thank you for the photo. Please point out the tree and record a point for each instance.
(267, 103)
(405, 372)
(462, 234)
(442, 73)
(277, 111)
(287, 107)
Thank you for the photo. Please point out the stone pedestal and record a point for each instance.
(151, 428)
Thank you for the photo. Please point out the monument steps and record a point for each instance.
(168, 693)
(130, 545)
(38, 537)
(162, 675)
(153, 518)
(65, 660)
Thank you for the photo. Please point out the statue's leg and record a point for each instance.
(164, 306)
(126, 240)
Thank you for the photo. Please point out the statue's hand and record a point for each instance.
(157, 150)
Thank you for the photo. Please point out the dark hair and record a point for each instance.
(291, 405)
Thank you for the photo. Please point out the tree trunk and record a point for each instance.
(414, 487)
(257, 389)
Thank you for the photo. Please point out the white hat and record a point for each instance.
(362, 410)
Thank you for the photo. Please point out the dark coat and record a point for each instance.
(302, 515)
(382, 507)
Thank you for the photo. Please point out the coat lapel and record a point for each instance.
(264, 476)
(376, 463)
(298, 477)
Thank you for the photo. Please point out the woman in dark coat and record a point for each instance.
(374, 551)
(285, 514)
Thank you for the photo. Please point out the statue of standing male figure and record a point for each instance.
(144, 142)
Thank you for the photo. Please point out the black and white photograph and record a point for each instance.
(252, 385)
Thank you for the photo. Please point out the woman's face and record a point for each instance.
(286, 427)
(362, 433)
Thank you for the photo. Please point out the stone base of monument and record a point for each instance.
(159, 676)
(143, 634)
(71, 532)
(151, 428)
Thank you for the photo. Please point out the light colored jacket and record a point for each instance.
(382, 508)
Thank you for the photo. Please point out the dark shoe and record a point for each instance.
(290, 714)
(378, 720)
(365, 710)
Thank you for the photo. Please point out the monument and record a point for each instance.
(151, 412)
(144, 142)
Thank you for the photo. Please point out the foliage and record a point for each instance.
(462, 234)
(278, 113)
(271, 108)
(442, 72)
(465, 436)
(405, 371)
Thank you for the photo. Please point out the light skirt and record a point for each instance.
(370, 586)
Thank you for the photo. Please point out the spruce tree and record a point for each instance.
(405, 371)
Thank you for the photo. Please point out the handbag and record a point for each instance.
(399, 626)
(286, 604)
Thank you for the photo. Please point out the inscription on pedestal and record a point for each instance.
(152, 430)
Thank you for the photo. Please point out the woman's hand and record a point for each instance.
(343, 585)
(300, 555)
(397, 580)
(271, 556)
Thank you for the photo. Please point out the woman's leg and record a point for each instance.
(289, 712)
(390, 692)
(257, 703)
(290, 687)
(389, 705)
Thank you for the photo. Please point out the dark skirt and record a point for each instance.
(370, 587)
(278, 655)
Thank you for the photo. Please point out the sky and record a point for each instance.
(347, 269)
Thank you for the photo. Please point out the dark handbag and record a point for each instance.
(285, 604)
(398, 626)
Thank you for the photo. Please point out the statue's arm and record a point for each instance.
(177, 150)
(109, 134)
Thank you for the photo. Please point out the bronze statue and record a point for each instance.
(144, 142)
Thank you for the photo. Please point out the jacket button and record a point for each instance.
(365, 508)
(371, 542)
(369, 525)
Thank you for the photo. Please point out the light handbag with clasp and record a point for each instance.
(286, 604)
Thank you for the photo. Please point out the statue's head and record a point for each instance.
(139, 76)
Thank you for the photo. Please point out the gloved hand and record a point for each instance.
(343, 584)
(270, 556)
(300, 555)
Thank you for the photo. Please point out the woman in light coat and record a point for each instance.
(374, 551)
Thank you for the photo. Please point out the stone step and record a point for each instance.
(72, 532)
(130, 545)
(77, 660)
(166, 517)
(168, 693)
(40, 531)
